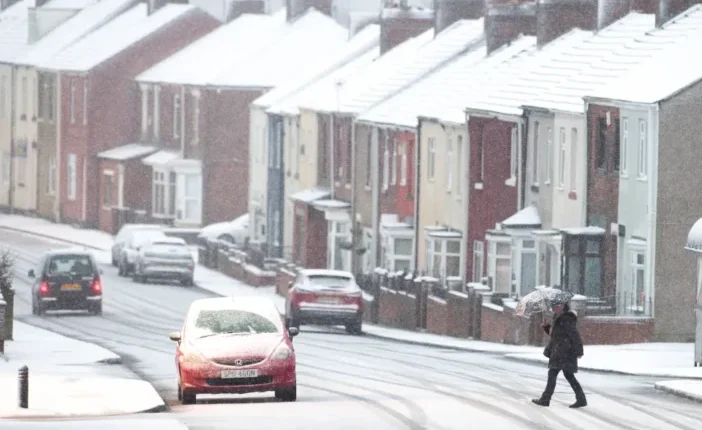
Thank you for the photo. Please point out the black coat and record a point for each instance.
(565, 346)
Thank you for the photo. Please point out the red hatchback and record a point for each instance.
(235, 346)
(327, 297)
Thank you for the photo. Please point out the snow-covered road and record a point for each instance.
(348, 382)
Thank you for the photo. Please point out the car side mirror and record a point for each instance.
(290, 284)
(31, 273)
(293, 331)
(174, 336)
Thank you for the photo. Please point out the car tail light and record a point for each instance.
(44, 288)
(97, 286)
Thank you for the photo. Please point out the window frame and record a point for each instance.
(393, 171)
(459, 166)
(403, 164)
(431, 159)
(562, 159)
(107, 191)
(85, 101)
(535, 176)
(643, 150)
(51, 178)
(177, 106)
(73, 101)
(444, 254)
(573, 159)
(158, 190)
(549, 156)
(449, 164)
(513, 153)
(71, 176)
(624, 151)
(478, 260)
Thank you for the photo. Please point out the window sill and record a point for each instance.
(478, 185)
(511, 182)
(642, 178)
(560, 188)
(367, 188)
(624, 175)
(50, 194)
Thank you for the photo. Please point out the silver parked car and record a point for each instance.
(135, 240)
(165, 258)
(123, 236)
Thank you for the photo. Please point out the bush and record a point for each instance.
(6, 272)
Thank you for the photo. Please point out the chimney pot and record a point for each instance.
(398, 25)
(505, 20)
(296, 8)
(449, 11)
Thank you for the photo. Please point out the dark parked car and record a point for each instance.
(66, 279)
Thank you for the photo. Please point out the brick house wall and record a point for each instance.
(495, 201)
(603, 187)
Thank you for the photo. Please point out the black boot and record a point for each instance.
(579, 403)
(541, 402)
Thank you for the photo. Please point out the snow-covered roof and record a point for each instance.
(361, 43)
(391, 73)
(527, 217)
(161, 158)
(584, 231)
(13, 31)
(85, 21)
(291, 104)
(202, 60)
(604, 59)
(103, 43)
(309, 195)
(694, 237)
(303, 48)
(440, 95)
(681, 66)
(127, 152)
(556, 63)
(331, 204)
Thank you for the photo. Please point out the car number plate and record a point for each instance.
(233, 374)
(70, 287)
(329, 299)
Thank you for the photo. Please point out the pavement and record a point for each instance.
(68, 378)
(387, 379)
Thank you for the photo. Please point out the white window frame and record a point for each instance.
(573, 158)
(624, 151)
(549, 155)
(459, 166)
(535, 154)
(85, 101)
(197, 199)
(390, 258)
(478, 260)
(431, 159)
(3, 95)
(513, 153)
(635, 249)
(562, 159)
(522, 250)
(51, 179)
(403, 164)
(177, 106)
(71, 176)
(449, 164)
(337, 229)
(440, 272)
(159, 181)
(643, 150)
(157, 113)
(196, 118)
(386, 164)
(493, 257)
(393, 173)
(144, 111)
(73, 101)
(111, 174)
(24, 95)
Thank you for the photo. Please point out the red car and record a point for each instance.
(326, 297)
(234, 346)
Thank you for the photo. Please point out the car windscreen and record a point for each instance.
(330, 281)
(171, 244)
(232, 321)
(70, 264)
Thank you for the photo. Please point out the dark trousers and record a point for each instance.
(570, 377)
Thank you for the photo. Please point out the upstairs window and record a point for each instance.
(535, 154)
(176, 116)
(449, 164)
(643, 150)
(431, 159)
(601, 144)
(624, 152)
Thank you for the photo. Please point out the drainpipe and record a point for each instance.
(374, 197)
(13, 112)
(523, 143)
(57, 118)
(182, 122)
(356, 229)
(469, 187)
(653, 144)
(417, 175)
(332, 146)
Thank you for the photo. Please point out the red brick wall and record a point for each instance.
(603, 192)
(437, 316)
(341, 158)
(137, 185)
(494, 325)
(225, 155)
(615, 331)
(397, 310)
(460, 314)
(496, 201)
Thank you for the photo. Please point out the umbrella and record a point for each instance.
(541, 300)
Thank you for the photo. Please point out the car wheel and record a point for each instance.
(114, 261)
(120, 269)
(35, 312)
(138, 279)
(96, 309)
(40, 309)
(227, 238)
(180, 392)
(188, 398)
(187, 282)
(287, 394)
(355, 327)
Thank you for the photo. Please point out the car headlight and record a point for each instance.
(283, 352)
(193, 358)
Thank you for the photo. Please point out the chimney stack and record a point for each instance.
(669, 9)
(449, 11)
(296, 8)
(400, 23)
(240, 7)
(505, 20)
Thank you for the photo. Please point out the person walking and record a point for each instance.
(563, 351)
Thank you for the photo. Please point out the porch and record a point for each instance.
(309, 229)
(122, 193)
(339, 240)
(176, 188)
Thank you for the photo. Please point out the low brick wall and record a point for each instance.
(398, 309)
(437, 316)
(460, 314)
(597, 330)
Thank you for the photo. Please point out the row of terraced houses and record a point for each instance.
(514, 143)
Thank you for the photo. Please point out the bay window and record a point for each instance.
(108, 182)
(398, 252)
(583, 264)
(444, 254)
(163, 194)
